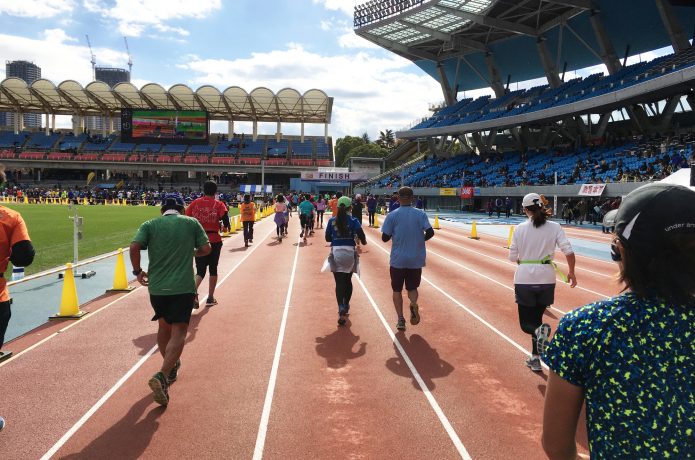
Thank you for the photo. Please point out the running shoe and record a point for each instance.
(211, 302)
(542, 337)
(342, 320)
(414, 314)
(534, 363)
(160, 389)
(196, 304)
(2, 423)
(174, 373)
(301, 234)
(311, 232)
(401, 324)
(246, 244)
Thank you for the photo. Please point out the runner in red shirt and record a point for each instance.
(209, 213)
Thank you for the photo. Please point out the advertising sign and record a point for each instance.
(591, 189)
(467, 192)
(447, 192)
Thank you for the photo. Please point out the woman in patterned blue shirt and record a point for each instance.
(631, 358)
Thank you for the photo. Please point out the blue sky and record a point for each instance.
(301, 44)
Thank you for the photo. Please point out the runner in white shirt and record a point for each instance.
(533, 247)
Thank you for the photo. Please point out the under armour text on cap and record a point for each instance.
(653, 211)
(531, 199)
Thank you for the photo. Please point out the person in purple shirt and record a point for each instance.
(395, 203)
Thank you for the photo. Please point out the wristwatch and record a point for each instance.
(137, 271)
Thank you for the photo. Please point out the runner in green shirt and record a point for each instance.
(172, 241)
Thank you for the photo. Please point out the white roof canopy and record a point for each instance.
(97, 98)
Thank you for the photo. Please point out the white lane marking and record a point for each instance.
(475, 315)
(562, 283)
(75, 323)
(265, 415)
(66, 437)
(558, 262)
(485, 276)
(428, 394)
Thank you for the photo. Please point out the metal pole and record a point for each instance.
(555, 197)
(263, 176)
(75, 238)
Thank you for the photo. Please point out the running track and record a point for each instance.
(268, 374)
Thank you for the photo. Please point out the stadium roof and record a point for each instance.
(234, 103)
(457, 34)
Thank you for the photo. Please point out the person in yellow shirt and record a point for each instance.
(247, 210)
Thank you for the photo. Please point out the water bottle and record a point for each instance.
(17, 273)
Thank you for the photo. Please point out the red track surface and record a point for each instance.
(339, 392)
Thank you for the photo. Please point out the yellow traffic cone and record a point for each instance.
(69, 305)
(26, 200)
(120, 280)
(474, 232)
(436, 222)
(511, 234)
(376, 220)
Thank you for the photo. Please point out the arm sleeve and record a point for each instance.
(563, 243)
(514, 248)
(142, 235)
(22, 254)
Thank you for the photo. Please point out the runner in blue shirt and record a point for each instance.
(306, 209)
(409, 228)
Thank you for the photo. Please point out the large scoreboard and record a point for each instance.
(164, 126)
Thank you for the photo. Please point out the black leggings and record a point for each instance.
(343, 287)
(530, 318)
(371, 217)
(6, 314)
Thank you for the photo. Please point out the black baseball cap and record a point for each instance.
(653, 211)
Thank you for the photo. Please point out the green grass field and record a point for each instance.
(105, 229)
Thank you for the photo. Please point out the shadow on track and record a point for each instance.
(146, 342)
(425, 359)
(128, 438)
(337, 347)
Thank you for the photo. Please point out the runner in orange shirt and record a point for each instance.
(247, 209)
(15, 247)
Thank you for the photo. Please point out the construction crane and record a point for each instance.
(130, 59)
(94, 59)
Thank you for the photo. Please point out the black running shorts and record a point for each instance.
(211, 260)
(409, 276)
(173, 308)
(534, 295)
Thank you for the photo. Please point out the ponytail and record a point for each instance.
(341, 221)
(539, 215)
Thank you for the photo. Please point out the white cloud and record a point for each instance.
(59, 59)
(345, 6)
(38, 9)
(57, 36)
(351, 40)
(371, 91)
(135, 16)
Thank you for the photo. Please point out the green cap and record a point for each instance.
(344, 201)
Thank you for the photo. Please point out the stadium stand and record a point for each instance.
(41, 141)
(98, 143)
(9, 139)
(543, 97)
(644, 159)
(71, 142)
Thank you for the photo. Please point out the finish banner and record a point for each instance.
(467, 192)
(323, 176)
(591, 189)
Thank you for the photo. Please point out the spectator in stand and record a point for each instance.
(508, 206)
(371, 208)
(630, 359)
